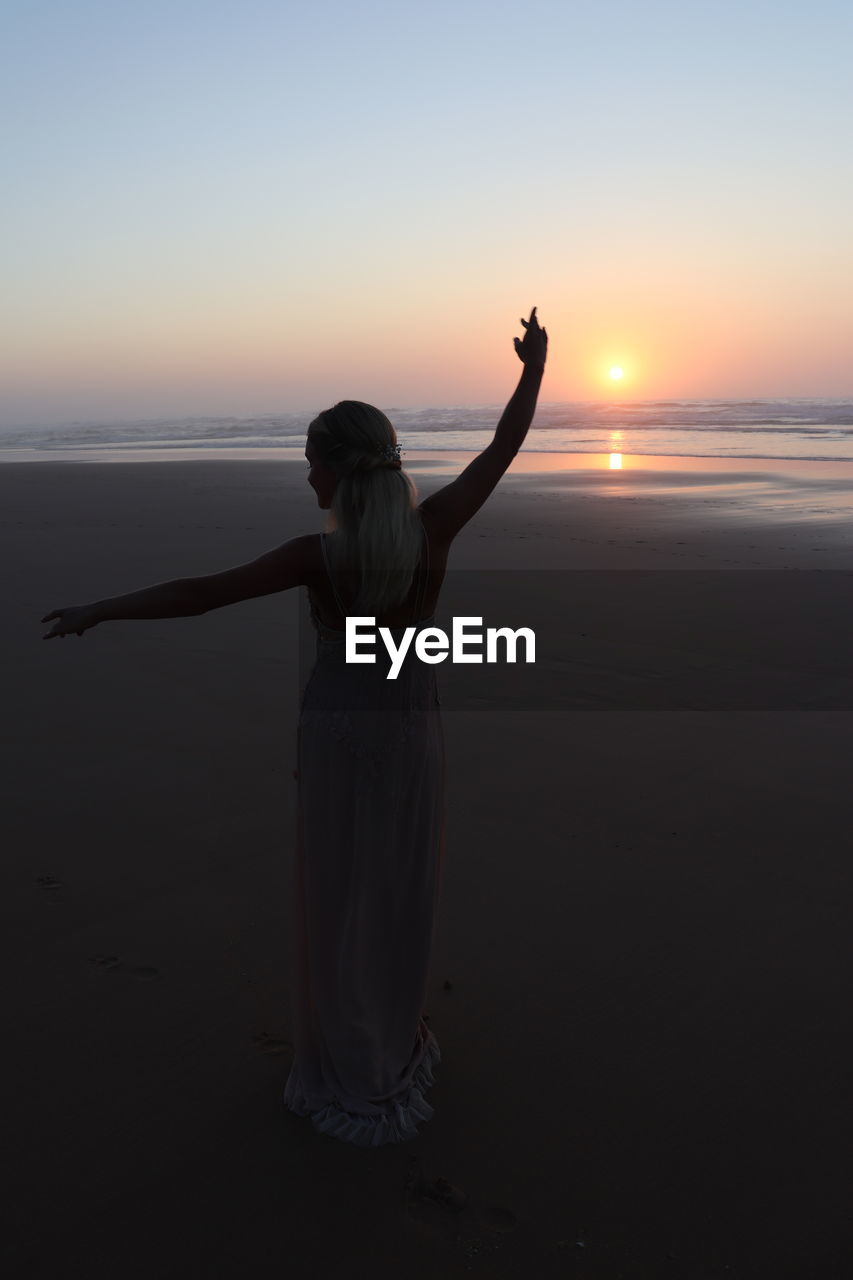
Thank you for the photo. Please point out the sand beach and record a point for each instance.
(642, 967)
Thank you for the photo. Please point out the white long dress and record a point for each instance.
(367, 873)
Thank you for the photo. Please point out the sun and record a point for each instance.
(617, 373)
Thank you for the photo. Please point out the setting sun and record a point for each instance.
(616, 373)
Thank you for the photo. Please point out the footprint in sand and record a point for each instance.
(51, 888)
(272, 1044)
(439, 1205)
(112, 964)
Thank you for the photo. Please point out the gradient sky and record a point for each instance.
(258, 207)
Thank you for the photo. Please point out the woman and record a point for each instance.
(370, 757)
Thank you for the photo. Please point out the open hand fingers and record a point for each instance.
(64, 627)
(57, 613)
(531, 342)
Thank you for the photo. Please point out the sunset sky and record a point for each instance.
(269, 206)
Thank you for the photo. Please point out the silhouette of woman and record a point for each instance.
(370, 757)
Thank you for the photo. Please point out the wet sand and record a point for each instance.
(642, 967)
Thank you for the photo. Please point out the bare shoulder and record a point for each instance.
(431, 520)
(299, 555)
(289, 565)
(447, 510)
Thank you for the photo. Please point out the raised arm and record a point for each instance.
(453, 506)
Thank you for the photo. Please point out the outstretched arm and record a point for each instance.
(175, 599)
(277, 570)
(454, 505)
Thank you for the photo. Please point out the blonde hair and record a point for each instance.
(376, 530)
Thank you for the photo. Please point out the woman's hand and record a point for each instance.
(74, 618)
(533, 348)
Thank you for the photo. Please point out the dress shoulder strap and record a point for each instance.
(338, 600)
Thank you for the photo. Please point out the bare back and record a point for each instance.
(443, 514)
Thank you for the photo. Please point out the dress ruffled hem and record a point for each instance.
(398, 1124)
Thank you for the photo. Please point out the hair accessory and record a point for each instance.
(390, 453)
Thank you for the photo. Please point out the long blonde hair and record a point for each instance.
(376, 529)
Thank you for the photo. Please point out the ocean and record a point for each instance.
(797, 430)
